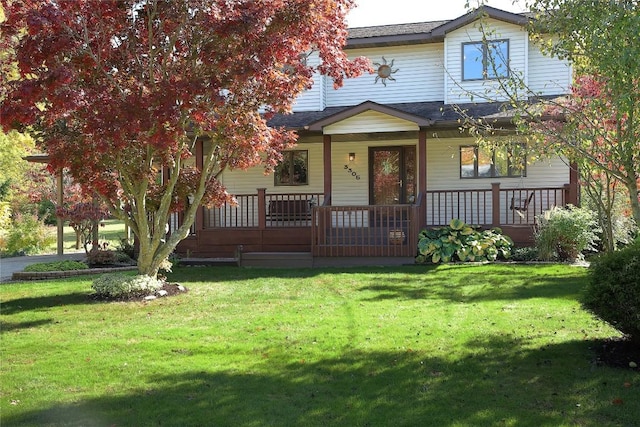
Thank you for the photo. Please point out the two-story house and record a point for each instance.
(384, 156)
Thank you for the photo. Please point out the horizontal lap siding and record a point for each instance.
(420, 77)
(370, 121)
(459, 91)
(312, 99)
(443, 173)
(547, 76)
(247, 181)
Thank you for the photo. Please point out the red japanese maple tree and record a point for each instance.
(120, 92)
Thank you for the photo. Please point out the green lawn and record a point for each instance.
(112, 232)
(461, 345)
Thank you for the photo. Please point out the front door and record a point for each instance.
(392, 172)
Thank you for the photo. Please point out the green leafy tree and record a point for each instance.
(596, 126)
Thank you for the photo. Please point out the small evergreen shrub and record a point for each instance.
(613, 293)
(28, 235)
(564, 233)
(462, 242)
(123, 286)
(66, 265)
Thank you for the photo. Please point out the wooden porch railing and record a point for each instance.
(264, 210)
(492, 207)
(365, 231)
(306, 221)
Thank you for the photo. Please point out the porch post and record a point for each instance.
(59, 221)
(199, 221)
(422, 178)
(326, 160)
(495, 203)
(262, 208)
(573, 193)
(422, 161)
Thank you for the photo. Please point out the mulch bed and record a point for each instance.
(618, 353)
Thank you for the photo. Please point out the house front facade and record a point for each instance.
(384, 156)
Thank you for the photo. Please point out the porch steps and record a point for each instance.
(277, 259)
(306, 260)
(209, 261)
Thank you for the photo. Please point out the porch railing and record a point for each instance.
(493, 206)
(364, 231)
(264, 210)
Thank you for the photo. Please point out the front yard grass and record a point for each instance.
(457, 345)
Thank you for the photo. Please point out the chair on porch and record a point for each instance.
(519, 208)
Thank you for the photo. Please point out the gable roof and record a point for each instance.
(433, 114)
(426, 32)
(367, 106)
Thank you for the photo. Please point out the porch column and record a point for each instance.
(495, 204)
(422, 161)
(326, 157)
(59, 221)
(573, 193)
(199, 220)
(422, 177)
(262, 208)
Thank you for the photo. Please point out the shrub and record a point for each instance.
(525, 254)
(125, 246)
(613, 293)
(66, 265)
(28, 235)
(462, 242)
(120, 285)
(100, 257)
(564, 233)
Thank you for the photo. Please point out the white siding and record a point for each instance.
(370, 121)
(420, 77)
(248, 181)
(547, 76)
(458, 91)
(443, 173)
(312, 99)
(443, 169)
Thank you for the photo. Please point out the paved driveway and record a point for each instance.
(10, 265)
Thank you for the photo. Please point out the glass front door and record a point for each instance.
(392, 175)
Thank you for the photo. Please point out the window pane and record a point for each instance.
(501, 163)
(299, 167)
(472, 65)
(467, 162)
(498, 61)
(293, 170)
(282, 173)
(518, 160)
(485, 160)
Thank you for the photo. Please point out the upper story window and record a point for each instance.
(485, 60)
(293, 170)
(476, 162)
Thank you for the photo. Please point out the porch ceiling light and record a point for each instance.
(352, 157)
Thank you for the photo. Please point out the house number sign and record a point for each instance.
(350, 171)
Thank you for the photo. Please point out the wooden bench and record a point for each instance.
(289, 210)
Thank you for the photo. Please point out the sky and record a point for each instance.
(385, 12)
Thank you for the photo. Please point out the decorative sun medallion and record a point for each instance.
(385, 71)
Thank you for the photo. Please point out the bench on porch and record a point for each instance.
(289, 210)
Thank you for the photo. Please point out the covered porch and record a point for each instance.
(308, 223)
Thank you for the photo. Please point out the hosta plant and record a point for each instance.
(462, 242)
